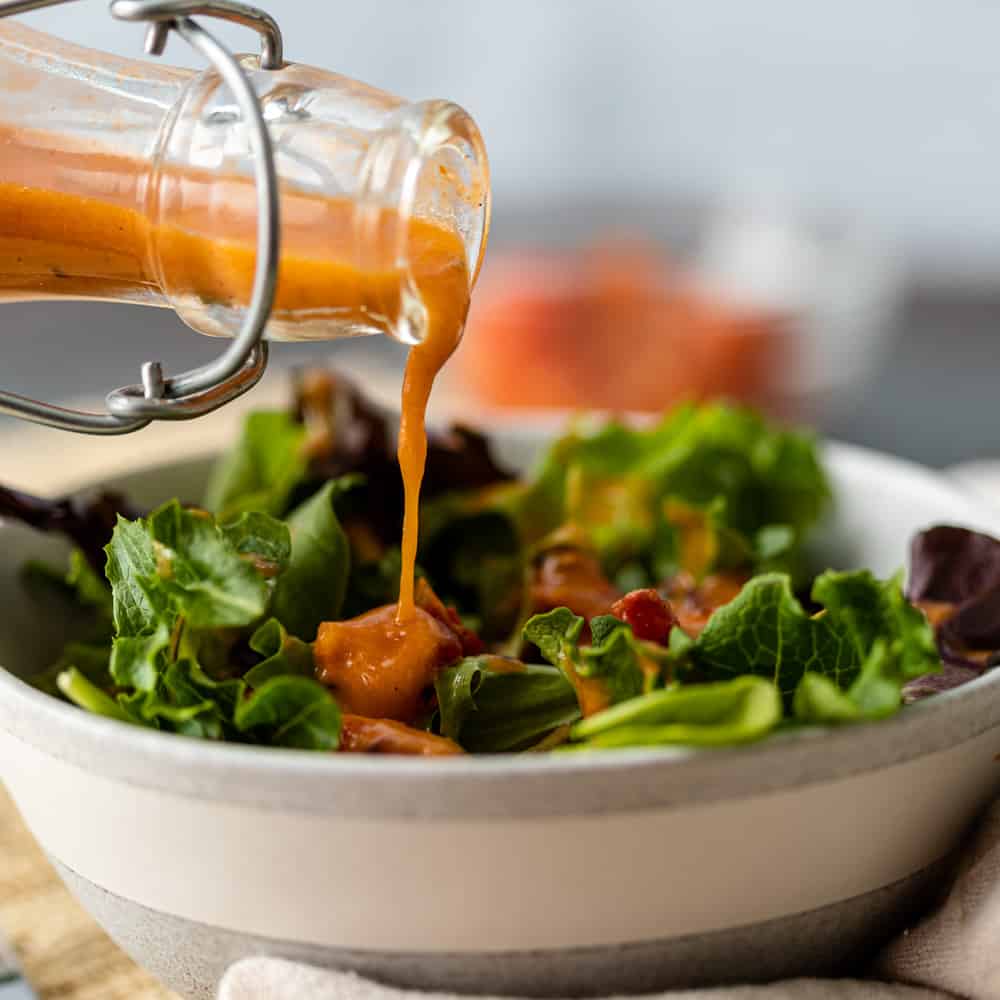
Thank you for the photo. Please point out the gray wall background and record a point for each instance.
(887, 110)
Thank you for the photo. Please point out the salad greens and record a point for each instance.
(189, 597)
(491, 705)
(644, 586)
(706, 488)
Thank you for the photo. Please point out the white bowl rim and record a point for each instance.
(469, 787)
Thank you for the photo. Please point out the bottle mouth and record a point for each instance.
(423, 206)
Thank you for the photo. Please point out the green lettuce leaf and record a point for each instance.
(137, 661)
(189, 598)
(868, 610)
(490, 710)
(260, 472)
(625, 666)
(83, 692)
(617, 658)
(719, 714)
(187, 701)
(291, 712)
(184, 705)
(707, 488)
(756, 473)
(283, 654)
(556, 634)
(877, 691)
(312, 588)
(765, 631)
(90, 589)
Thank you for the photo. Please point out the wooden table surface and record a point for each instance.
(65, 954)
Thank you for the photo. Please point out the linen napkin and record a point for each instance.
(955, 950)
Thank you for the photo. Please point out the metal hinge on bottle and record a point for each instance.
(241, 365)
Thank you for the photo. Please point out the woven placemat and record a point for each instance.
(64, 953)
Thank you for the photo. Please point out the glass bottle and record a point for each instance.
(129, 181)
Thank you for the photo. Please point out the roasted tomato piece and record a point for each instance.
(381, 668)
(361, 735)
(693, 602)
(425, 598)
(649, 615)
(572, 578)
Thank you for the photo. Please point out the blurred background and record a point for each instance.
(793, 204)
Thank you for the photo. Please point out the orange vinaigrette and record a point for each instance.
(446, 299)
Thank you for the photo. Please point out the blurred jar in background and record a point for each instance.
(750, 304)
(613, 326)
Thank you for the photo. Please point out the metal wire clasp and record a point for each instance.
(241, 365)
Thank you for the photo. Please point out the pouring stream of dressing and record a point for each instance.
(445, 296)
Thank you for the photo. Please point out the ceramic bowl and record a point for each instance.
(540, 875)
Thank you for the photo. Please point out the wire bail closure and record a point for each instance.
(241, 366)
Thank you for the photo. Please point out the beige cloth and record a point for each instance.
(953, 951)
(273, 979)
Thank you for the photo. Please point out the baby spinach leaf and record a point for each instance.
(262, 537)
(475, 562)
(719, 714)
(490, 705)
(373, 582)
(260, 472)
(90, 659)
(291, 712)
(79, 583)
(312, 588)
(81, 589)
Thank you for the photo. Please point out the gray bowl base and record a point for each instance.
(841, 939)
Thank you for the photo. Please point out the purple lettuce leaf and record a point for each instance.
(959, 571)
(87, 520)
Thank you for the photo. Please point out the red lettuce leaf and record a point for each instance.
(958, 571)
(87, 520)
(953, 565)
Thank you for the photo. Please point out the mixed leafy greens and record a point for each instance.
(644, 587)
